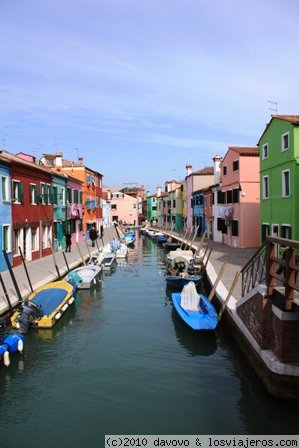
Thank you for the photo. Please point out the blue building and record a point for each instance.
(5, 215)
(198, 203)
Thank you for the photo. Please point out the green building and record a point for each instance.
(151, 207)
(176, 208)
(59, 209)
(279, 177)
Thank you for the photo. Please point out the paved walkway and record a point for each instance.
(43, 271)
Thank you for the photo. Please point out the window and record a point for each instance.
(220, 197)
(265, 192)
(47, 236)
(4, 185)
(80, 197)
(113, 207)
(265, 151)
(173, 203)
(43, 193)
(286, 183)
(235, 227)
(236, 195)
(33, 194)
(285, 231)
(236, 165)
(225, 170)
(34, 238)
(265, 232)
(17, 241)
(76, 196)
(17, 192)
(88, 179)
(69, 195)
(49, 194)
(285, 141)
(55, 195)
(229, 196)
(88, 203)
(6, 238)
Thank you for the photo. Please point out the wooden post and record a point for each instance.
(224, 305)
(67, 265)
(5, 292)
(220, 273)
(79, 250)
(183, 239)
(88, 250)
(25, 267)
(55, 264)
(13, 278)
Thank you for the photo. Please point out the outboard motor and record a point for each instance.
(30, 312)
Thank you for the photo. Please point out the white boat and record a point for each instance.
(120, 249)
(89, 275)
(173, 254)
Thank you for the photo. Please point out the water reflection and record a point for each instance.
(196, 343)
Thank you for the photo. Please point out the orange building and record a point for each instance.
(92, 211)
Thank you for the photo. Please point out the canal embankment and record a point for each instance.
(281, 379)
(47, 269)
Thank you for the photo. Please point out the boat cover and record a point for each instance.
(190, 300)
(49, 299)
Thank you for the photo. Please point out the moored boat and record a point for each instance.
(89, 275)
(195, 308)
(179, 281)
(44, 306)
(11, 343)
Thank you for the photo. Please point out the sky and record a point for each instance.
(141, 88)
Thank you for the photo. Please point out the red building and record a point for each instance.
(32, 211)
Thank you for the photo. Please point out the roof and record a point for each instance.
(206, 171)
(12, 158)
(69, 164)
(293, 119)
(245, 150)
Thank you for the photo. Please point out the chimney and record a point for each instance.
(80, 160)
(217, 160)
(158, 191)
(58, 160)
(189, 169)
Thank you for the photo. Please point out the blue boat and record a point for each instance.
(162, 239)
(12, 343)
(195, 309)
(178, 281)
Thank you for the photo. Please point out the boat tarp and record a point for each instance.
(190, 300)
(49, 299)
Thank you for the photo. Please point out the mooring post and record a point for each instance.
(5, 293)
(67, 265)
(13, 278)
(25, 267)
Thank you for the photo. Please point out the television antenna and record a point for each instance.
(274, 106)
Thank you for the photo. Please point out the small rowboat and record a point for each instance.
(195, 309)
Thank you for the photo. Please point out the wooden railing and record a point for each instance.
(254, 271)
(274, 264)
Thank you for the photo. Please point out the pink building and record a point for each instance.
(239, 211)
(123, 207)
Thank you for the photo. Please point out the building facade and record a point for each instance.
(279, 177)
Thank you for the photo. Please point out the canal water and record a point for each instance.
(122, 362)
